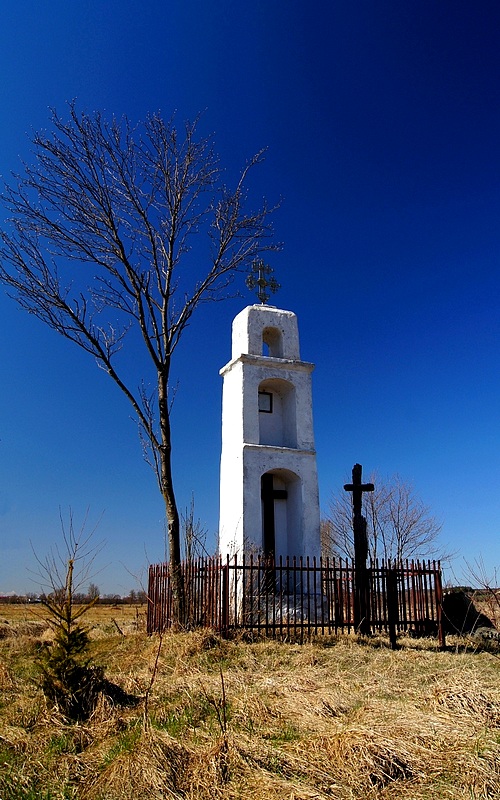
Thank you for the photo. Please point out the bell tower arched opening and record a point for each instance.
(277, 413)
(272, 342)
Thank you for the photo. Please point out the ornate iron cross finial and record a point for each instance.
(261, 283)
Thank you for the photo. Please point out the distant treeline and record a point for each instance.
(133, 598)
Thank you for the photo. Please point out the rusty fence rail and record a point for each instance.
(298, 597)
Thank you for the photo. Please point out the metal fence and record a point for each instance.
(298, 597)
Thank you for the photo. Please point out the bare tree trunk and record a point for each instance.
(167, 490)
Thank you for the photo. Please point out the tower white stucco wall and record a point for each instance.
(265, 370)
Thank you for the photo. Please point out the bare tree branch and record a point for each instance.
(105, 245)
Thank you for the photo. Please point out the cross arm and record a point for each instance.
(363, 487)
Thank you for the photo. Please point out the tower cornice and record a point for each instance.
(268, 362)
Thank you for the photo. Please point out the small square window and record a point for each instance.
(266, 402)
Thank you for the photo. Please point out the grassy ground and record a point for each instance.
(338, 718)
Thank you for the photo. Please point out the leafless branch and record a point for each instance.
(78, 547)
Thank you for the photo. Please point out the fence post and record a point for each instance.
(438, 587)
(224, 617)
(392, 602)
(150, 601)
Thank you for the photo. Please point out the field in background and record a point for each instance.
(338, 718)
(101, 618)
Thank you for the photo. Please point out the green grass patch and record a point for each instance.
(286, 733)
(189, 713)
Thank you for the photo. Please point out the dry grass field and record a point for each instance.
(337, 718)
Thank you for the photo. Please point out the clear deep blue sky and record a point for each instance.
(382, 122)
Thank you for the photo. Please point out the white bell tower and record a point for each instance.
(268, 480)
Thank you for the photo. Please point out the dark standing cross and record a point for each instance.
(361, 584)
(261, 282)
(357, 488)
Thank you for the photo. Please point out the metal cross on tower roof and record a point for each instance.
(260, 282)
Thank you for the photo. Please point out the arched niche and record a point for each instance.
(277, 413)
(281, 494)
(272, 342)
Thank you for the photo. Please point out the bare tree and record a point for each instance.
(103, 245)
(93, 592)
(399, 525)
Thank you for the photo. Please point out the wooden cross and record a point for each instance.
(357, 488)
(361, 584)
(261, 283)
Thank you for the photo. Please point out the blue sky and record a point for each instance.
(382, 123)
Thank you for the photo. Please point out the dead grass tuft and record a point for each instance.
(142, 763)
(364, 759)
(463, 695)
(151, 764)
(6, 679)
(29, 628)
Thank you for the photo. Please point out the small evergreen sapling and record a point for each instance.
(69, 679)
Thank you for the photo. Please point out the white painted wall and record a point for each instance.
(266, 357)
